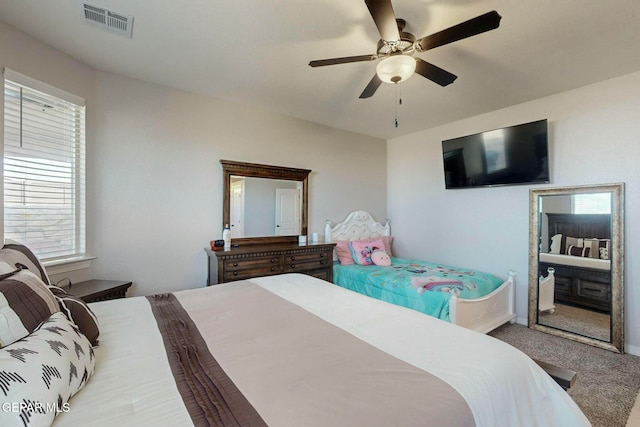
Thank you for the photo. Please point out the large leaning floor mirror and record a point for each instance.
(576, 259)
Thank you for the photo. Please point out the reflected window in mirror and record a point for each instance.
(591, 203)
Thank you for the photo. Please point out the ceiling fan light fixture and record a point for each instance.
(396, 68)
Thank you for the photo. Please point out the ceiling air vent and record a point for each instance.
(111, 21)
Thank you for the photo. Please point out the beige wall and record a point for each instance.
(154, 177)
(593, 136)
(159, 179)
(35, 59)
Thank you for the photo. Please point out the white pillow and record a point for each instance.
(556, 241)
(40, 373)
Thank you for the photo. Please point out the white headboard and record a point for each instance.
(357, 225)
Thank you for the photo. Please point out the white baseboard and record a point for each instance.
(632, 349)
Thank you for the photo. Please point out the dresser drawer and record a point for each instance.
(236, 269)
(308, 261)
(246, 262)
(593, 290)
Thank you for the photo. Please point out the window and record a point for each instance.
(44, 168)
(591, 203)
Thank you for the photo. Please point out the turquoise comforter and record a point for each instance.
(414, 284)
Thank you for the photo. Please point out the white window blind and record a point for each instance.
(592, 203)
(44, 167)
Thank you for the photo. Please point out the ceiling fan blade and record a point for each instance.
(480, 24)
(371, 88)
(433, 73)
(384, 18)
(344, 60)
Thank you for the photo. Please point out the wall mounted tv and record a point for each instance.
(512, 155)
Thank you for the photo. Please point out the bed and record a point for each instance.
(472, 299)
(577, 250)
(285, 350)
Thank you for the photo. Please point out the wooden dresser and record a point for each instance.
(245, 262)
(582, 287)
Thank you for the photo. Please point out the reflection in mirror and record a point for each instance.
(264, 204)
(264, 207)
(575, 263)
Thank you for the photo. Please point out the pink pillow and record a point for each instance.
(344, 253)
(361, 251)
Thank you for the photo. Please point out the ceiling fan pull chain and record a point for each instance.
(396, 104)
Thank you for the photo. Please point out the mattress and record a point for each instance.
(301, 351)
(576, 261)
(417, 285)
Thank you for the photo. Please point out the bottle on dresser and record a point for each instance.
(226, 236)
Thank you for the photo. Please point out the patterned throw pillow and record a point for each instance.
(16, 253)
(40, 373)
(576, 251)
(25, 302)
(556, 242)
(361, 251)
(343, 251)
(79, 313)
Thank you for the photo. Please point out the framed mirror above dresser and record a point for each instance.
(256, 186)
(576, 263)
(266, 209)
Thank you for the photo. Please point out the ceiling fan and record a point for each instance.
(396, 48)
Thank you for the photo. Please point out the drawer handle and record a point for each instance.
(321, 261)
(321, 255)
(235, 264)
(293, 258)
(273, 269)
(293, 266)
(272, 260)
(235, 273)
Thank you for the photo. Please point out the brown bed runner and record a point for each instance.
(209, 395)
(297, 369)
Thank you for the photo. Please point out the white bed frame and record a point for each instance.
(546, 291)
(482, 314)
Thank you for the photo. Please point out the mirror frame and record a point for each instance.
(256, 170)
(616, 342)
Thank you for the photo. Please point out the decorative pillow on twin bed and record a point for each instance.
(16, 253)
(79, 313)
(25, 302)
(40, 373)
(343, 251)
(361, 251)
(381, 258)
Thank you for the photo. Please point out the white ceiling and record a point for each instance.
(257, 52)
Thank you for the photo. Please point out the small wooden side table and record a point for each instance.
(98, 290)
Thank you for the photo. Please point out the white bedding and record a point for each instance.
(133, 385)
(576, 261)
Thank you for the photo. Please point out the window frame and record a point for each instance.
(79, 258)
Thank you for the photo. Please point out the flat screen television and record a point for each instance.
(508, 156)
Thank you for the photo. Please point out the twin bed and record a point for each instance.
(284, 350)
(472, 299)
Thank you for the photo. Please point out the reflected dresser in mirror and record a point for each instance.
(576, 260)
